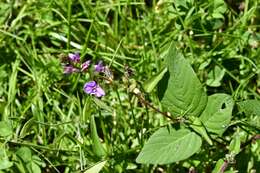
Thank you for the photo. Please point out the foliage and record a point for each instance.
(202, 56)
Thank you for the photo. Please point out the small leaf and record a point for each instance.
(97, 146)
(5, 129)
(180, 91)
(33, 167)
(215, 76)
(218, 166)
(27, 127)
(4, 161)
(96, 168)
(217, 113)
(168, 145)
(151, 83)
(219, 8)
(234, 146)
(36, 159)
(25, 154)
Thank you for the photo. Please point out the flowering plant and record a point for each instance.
(74, 66)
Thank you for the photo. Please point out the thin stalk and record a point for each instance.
(69, 24)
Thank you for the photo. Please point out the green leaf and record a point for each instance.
(151, 83)
(97, 146)
(231, 171)
(219, 8)
(33, 167)
(36, 159)
(234, 146)
(217, 113)
(218, 166)
(5, 164)
(198, 127)
(27, 127)
(250, 107)
(180, 90)
(5, 129)
(168, 145)
(25, 154)
(4, 12)
(96, 168)
(4, 161)
(215, 76)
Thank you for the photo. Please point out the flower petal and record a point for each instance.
(89, 87)
(99, 67)
(69, 69)
(99, 91)
(85, 65)
(93, 88)
(74, 57)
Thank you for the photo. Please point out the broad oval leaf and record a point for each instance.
(168, 145)
(217, 113)
(180, 90)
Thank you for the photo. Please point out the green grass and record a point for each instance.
(48, 115)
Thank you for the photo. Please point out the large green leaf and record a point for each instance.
(168, 145)
(180, 90)
(217, 113)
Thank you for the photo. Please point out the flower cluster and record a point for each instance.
(74, 66)
(74, 60)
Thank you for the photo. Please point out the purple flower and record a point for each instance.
(99, 67)
(93, 88)
(85, 65)
(70, 69)
(74, 57)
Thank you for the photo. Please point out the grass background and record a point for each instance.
(48, 111)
